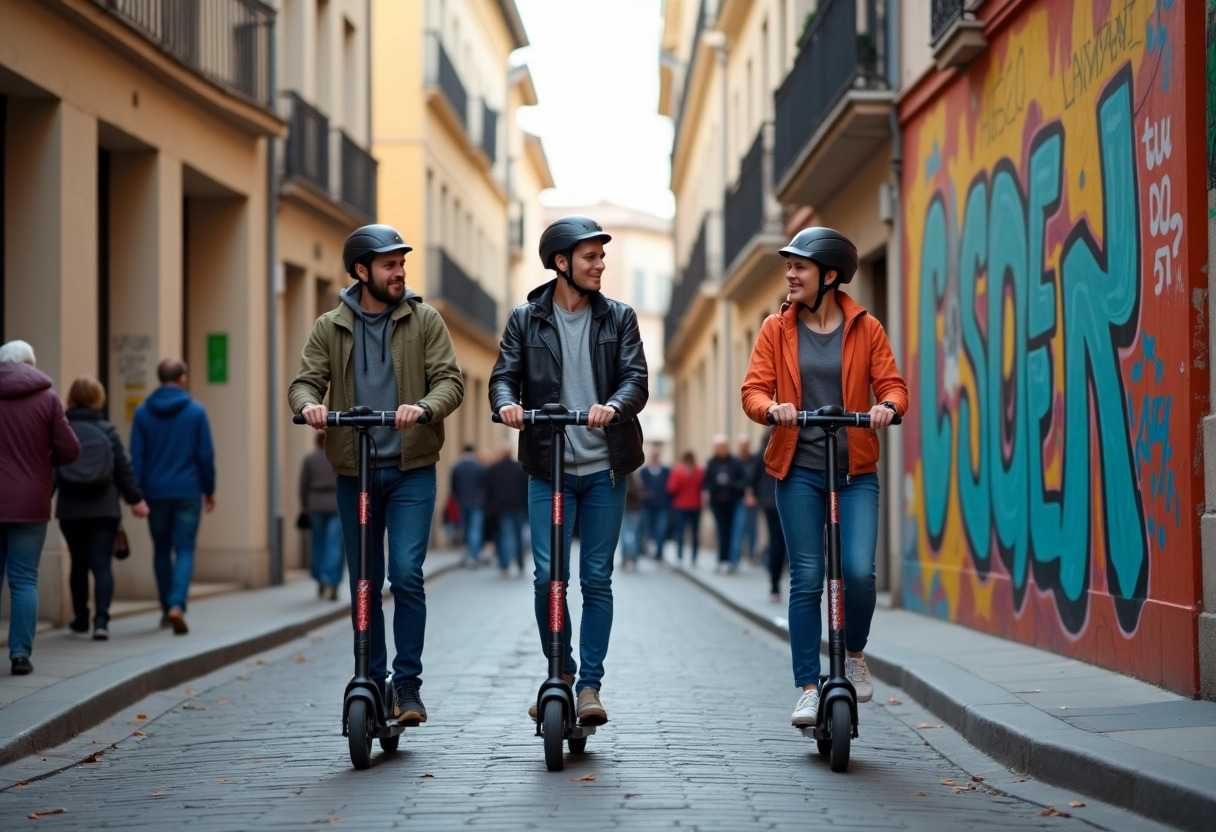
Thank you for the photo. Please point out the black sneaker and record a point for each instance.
(22, 666)
(409, 710)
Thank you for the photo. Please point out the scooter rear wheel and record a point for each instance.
(553, 731)
(389, 744)
(578, 745)
(359, 730)
(842, 730)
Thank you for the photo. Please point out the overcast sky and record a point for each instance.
(595, 64)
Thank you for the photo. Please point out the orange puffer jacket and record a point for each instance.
(773, 377)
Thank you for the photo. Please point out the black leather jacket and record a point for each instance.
(529, 372)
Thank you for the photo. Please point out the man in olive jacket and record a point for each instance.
(385, 349)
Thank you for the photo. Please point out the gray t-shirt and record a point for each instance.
(376, 381)
(586, 449)
(821, 365)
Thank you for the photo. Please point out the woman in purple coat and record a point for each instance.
(34, 437)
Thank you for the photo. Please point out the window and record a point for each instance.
(639, 291)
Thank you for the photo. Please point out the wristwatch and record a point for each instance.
(425, 407)
(891, 406)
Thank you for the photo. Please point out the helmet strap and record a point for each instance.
(823, 290)
(569, 273)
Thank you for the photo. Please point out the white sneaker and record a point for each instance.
(859, 675)
(807, 709)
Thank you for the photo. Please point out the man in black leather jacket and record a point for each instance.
(572, 345)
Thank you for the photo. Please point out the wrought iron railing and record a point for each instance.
(837, 54)
(745, 202)
(941, 14)
(489, 131)
(701, 22)
(226, 41)
(306, 155)
(686, 288)
(448, 79)
(358, 168)
(450, 283)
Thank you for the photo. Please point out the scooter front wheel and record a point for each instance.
(842, 730)
(553, 730)
(359, 730)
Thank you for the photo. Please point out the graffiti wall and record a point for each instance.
(1056, 335)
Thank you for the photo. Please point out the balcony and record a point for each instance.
(450, 289)
(957, 36)
(306, 155)
(701, 269)
(357, 187)
(752, 229)
(445, 90)
(489, 132)
(228, 42)
(833, 110)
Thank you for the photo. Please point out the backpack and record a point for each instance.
(92, 471)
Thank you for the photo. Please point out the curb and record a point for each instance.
(96, 695)
(1022, 737)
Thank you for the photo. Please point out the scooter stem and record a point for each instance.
(363, 586)
(557, 558)
(835, 586)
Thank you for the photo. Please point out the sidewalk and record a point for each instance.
(1059, 720)
(77, 683)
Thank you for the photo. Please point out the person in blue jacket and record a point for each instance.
(174, 463)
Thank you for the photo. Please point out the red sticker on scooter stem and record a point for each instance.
(836, 604)
(556, 607)
(559, 507)
(365, 508)
(834, 507)
(363, 606)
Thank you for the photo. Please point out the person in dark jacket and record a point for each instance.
(725, 481)
(319, 503)
(34, 436)
(762, 486)
(174, 464)
(507, 501)
(656, 511)
(89, 516)
(571, 345)
(468, 485)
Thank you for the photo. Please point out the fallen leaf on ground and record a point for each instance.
(41, 813)
(137, 734)
(301, 658)
(949, 781)
(979, 778)
(141, 716)
(918, 794)
(222, 780)
(96, 742)
(189, 691)
(894, 701)
(1050, 811)
(966, 788)
(1076, 804)
(194, 706)
(221, 701)
(925, 726)
(158, 793)
(92, 758)
(260, 662)
(428, 774)
(1063, 707)
(584, 777)
(22, 783)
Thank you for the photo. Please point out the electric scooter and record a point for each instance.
(836, 720)
(364, 709)
(555, 708)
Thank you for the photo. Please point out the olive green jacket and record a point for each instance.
(427, 371)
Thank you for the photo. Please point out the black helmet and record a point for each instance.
(827, 247)
(371, 240)
(564, 234)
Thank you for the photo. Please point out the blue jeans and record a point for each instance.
(687, 518)
(600, 526)
(743, 531)
(509, 539)
(327, 557)
(802, 504)
(631, 536)
(20, 552)
(403, 502)
(174, 528)
(654, 527)
(473, 522)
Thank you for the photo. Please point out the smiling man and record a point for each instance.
(572, 345)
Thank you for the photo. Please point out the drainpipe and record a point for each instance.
(274, 531)
(895, 325)
(717, 40)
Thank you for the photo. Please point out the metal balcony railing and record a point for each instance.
(941, 14)
(450, 283)
(837, 53)
(745, 207)
(306, 155)
(441, 72)
(489, 131)
(358, 170)
(691, 278)
(702, 21)
(226, 41)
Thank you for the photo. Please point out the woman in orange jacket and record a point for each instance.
(824, 348)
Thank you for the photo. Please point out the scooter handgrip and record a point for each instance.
(299, 419)
(494, 417)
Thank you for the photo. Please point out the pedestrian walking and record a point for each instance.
(631, 524)
(684, 486)
(762, 486)
(572, 343)
(507, 498)
(743, 529)
(87, 507)
(390, 351)
(34, 436)
(319, 509)
(468, 486)
(656, 509)
(174, 463)
(824, 348)
(725, 480)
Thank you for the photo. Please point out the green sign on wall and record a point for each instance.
(217, 358)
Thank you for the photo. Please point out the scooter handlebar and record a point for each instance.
(361, 417)
(832, 417)
(569, 417)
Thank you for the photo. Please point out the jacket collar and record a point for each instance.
(541, 299)
(345, 316)
(789, 326)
